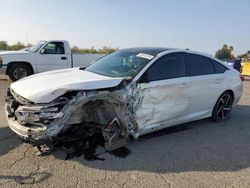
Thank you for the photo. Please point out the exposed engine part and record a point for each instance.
(111, 130)
(118, 143)
(111, 134)
(40, 114)
(74, 116)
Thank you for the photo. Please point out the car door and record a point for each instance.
(206, 85)
(164, 93)
(52, 57)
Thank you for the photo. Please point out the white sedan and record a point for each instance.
(130, 92)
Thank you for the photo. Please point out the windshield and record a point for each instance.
(122, 63)
(36, 47)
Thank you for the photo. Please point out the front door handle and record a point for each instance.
(63, 58)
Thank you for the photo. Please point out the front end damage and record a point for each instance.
(72, 116)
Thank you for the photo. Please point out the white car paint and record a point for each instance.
(193, 97)
(158, 98)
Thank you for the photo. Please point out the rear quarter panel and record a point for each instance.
(234, 83)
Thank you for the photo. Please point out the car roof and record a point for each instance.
(158, 50)
(147, 50)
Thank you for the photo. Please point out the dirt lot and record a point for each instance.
(206, 154)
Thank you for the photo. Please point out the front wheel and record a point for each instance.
(222, 107)
(18, 71)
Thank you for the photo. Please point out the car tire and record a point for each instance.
(222, 107)
(18, 71)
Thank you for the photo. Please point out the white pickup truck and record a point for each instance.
(44, 56)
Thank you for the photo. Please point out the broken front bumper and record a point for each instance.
(32, 134)
(29, 133)
(80, 116)
(29, 121)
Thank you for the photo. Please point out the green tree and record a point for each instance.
(245, 56)
(3, 45)
(225, 53)
(92, 50)
(29, 45)
(107, 50)
(18, 46)
(75, 49)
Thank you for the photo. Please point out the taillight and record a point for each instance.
(241, 77)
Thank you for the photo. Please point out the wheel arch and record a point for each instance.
(10, 64)
(213, 116)
(229, 91)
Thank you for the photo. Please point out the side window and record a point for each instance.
(219, 68)
(198, 65)
(54, 48)
(166, 67)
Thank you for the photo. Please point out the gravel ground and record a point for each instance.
(206, 154)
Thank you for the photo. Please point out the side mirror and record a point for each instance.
(42, 51)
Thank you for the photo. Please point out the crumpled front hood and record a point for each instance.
(47, 86)
(13, 52)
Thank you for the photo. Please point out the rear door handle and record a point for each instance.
(183, 85)
(63, 58)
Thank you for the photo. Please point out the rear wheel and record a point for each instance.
(19, 70)
(222, 107)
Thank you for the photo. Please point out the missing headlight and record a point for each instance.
(42, 114)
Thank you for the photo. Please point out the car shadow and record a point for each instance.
(197, 146)
(8, 140)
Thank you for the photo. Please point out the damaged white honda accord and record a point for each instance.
(126, 94)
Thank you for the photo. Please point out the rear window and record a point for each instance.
(198, 65)
(219, 68)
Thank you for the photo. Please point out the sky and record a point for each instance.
(201, 25)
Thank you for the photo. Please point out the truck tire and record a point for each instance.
(18, 71)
